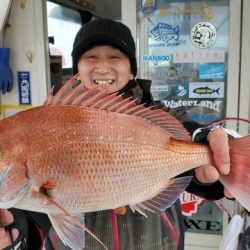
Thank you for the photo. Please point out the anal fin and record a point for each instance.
(166, 198)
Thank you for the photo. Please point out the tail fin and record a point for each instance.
(217, 91)
(238, 180)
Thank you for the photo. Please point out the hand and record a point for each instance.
(6, 77)
(218, 142)
(6, 218)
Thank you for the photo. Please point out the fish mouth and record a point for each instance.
(103, 81)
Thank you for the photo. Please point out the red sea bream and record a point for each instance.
(85, 150)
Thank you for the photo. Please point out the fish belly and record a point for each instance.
(93, 176)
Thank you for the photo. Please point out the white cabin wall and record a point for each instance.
(26, 34)
(244, 100)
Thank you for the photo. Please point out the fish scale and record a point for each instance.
(105, 181)
(102, 152)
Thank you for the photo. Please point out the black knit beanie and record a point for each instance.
(104, 32)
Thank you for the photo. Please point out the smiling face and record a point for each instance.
(105, 65)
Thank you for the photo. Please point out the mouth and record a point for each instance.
(103, 82)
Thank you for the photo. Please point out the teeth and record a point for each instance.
(103, 82)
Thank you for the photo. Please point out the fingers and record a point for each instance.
(4, 86)
(6, 217)
(206, 174)
(218, 142)
(10, 85)
(5, 239)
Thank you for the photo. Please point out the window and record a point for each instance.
(63, 24)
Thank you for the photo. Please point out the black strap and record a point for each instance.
(19, 244)
(7, 228)
(20, 223)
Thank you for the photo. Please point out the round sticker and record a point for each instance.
(203, 35)
(172, 74)
(148, 6)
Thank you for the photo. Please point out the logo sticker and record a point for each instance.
(159, 90)
(166, 33)
(181, 90)
(205, 11)
(206, 90)
(211, 71)
(24, 88)
(203, 119)
(160, 60)
(190, 203)
(172, 74)
(214, 105)
(148, 6)
(203, 35)
(199, 57)
(189, 74)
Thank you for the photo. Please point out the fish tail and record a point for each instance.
(217, 91)
(238, 180)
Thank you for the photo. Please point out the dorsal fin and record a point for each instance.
(99, 98)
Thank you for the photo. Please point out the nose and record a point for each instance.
(102, 67)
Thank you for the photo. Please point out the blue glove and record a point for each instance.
(6, 77)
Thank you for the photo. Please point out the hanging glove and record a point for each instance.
(6, 77)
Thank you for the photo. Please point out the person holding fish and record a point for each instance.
(104, 57)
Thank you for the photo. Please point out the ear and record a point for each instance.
(131, 76)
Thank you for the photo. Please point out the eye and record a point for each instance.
(91, 57)
(115, 56)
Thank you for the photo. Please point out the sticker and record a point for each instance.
(205, 10)
(8, 110)
(159, 74)
(166, 33)
(24, 88)
(181, 90)
(211, 71)
(203, 119)
(214, 105)
(203, 35)
(206, 90)
(189, 74)
(158, 60)
(148, 6)
(159, 90)
(199, 57)
(189, 203)
(172, 74)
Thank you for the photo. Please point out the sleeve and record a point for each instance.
(212, 191)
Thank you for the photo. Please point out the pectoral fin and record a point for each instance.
(69, 228)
